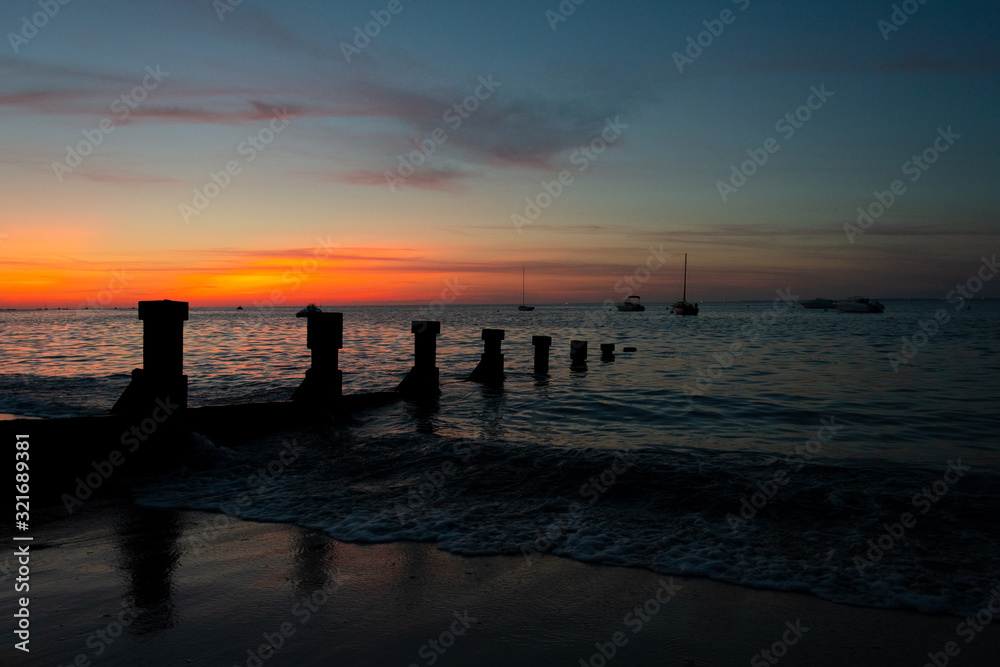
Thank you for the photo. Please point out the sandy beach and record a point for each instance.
(118, 584)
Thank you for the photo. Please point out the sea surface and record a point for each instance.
(852, 457)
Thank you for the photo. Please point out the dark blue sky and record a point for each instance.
(342, 165)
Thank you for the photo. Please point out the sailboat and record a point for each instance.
(682, 307)
(522, 306)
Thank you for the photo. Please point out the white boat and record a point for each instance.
(630, 306)
(522, 306)
(859, 304)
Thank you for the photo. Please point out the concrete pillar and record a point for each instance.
(423, 378)
(542, 345)
(578, 353)
(161, 381)
(490, 368)
(607, 351)
(324, 382)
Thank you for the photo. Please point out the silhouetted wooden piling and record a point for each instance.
(490, 367)
(324, 381)
(542, 345)
(161, 380)
(578, 353)
(607, 351)
(423, 378)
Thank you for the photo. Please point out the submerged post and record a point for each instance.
(578, 353)
(423, 377)
(161, 382)
(607, 351)
(490, 368)
(542, 345)
(324, 381)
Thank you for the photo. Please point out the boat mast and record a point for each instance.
(684, 295)
(522, 285)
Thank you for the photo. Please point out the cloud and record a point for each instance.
(12, 68)
(422, 179)
(513, 126)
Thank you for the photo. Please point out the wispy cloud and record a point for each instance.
(425, 179)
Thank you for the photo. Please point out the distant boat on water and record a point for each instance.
(682, 307)
(630, 306)
(859, 304)
(522, 306)
(817, 303)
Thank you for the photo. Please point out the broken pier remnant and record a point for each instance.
(490, 367)
(423, 378)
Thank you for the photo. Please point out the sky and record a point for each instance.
(263, 153)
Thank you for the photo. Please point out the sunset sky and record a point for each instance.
(309, 118)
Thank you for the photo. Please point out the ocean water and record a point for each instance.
(853, 457)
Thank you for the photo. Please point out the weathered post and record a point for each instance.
(490, 367)
(607, 351)
(578, 354)
(324, 381)
(423, 376)
(542, 345)
(160, 383)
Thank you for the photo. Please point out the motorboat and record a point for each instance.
(632, 305)
(859, 304)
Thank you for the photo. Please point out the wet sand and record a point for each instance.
(117, 584)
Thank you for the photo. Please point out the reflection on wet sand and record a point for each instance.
(149, 553)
